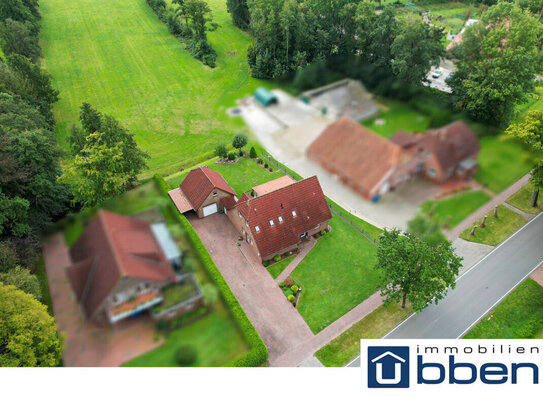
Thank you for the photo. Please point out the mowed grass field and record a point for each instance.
(117, 55)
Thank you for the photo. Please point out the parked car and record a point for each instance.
(437, 73)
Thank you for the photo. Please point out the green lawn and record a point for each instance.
(500, 163)
(398, 116)
(346, 346)
(336, 275)
(278, 268)
(372, 231)
(118, 56)
(495, 230)
(522, 199)
(457, 207)
(215, 337)
(518, 316)
(242, 176)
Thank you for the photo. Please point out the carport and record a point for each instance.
(179, 200)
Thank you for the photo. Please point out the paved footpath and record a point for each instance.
(306, 248)
(483, 210)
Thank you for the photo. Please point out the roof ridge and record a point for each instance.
(118, 262)
(283, 187)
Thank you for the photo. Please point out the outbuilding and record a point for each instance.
(265, 97)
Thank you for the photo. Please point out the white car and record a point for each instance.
(437, 73)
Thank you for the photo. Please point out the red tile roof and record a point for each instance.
(112, 247)
(451, 144)
(140, 299)
(304, 197)
(273, 185)
(200, 183)
(179, 200)
(355, 152)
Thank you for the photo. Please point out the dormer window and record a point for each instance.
(257, 228)
(271, 222)
(280, 219)
(293, 214)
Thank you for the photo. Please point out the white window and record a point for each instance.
(257, 228)
(293, 214)
(318, 226)
(239, 214)
(280, 219)
(271, 222)
(431, 172)
(246, 223)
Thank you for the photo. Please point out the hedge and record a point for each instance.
(258, 352)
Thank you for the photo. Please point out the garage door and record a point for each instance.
(210, 209)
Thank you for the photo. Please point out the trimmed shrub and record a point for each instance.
(323, 232)
(258, 352)
(221, 151)
(294, 288)
(185, 355)
(277, 257)
(231, 156)
(291, 298)
(265, 165)
(252, 152)
(161, 325)
(282, 284)
(260, 161)
(266, 263)
(289, 281)
(241, 153)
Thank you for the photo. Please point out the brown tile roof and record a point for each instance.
(357, 153)
(112, 247)
(179, 200)
(305, 197)
(273, 185)
(405, 139)
(200, 183)
(451, 144)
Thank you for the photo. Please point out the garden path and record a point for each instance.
(306, 248)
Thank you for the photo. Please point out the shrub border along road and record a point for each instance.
(259, 351)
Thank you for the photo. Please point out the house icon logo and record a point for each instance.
(388, 366)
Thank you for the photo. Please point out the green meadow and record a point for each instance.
(117, 55)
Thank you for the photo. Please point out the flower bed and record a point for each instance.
(291, 289)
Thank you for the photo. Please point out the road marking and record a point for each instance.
(499, 300)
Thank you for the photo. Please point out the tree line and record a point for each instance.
(30, 196)
(189, 21)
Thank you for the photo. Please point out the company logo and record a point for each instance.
(388, 366)
(412, 363)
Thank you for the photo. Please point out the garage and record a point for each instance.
(210, 209)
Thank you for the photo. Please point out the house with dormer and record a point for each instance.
(280, 215)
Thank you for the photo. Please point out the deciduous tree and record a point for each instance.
(239, 141)
(21, 278)
(28, 334)
(414, 271)
(497, 63)
(530, 131)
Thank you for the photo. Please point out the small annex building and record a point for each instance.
(265, 97)
(203, 191)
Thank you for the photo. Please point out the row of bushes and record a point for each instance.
(200, 49)
(258, 352)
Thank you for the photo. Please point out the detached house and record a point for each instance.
(120, 269)
(361, 159)
(202, 191)
(277, 220)
(372, 165)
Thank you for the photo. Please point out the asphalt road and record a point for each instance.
(478, 290)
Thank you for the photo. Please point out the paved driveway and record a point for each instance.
(86, 343)
(276, 320)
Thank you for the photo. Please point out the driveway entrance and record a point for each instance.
(276, 320)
